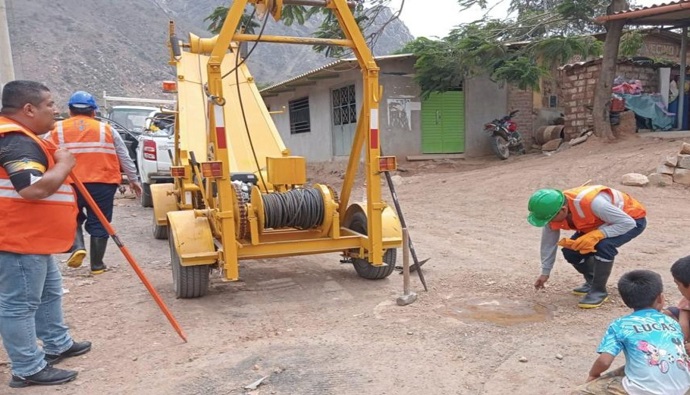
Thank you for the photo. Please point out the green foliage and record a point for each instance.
(329, 28)
(218, 16)
(518, 50)
(522, 71)
(631, 43)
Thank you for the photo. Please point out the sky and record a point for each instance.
(425, 20)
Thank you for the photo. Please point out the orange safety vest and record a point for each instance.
(91, 142)
(41, 227)
(580, 207)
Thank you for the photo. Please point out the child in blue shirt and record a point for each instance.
(656, 361)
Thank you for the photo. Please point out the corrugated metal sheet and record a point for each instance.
(651, 7)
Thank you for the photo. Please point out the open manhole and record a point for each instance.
(498, 311)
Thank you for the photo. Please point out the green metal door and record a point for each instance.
(443, 123)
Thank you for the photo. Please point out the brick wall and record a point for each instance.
(578, 84)
(520, 99)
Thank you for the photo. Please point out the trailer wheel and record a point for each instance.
(363, 268)
(160, 232)
(190, 281)
(146, 198)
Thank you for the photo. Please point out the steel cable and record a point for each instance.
(298, 208)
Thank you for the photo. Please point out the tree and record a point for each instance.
(329, 28)
(602, 95)
(520, 51)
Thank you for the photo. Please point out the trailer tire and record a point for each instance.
(363, 268)
(189, 281)
(146, 199)
(160, 232)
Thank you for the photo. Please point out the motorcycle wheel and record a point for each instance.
(500, 147)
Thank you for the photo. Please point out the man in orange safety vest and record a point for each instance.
(100, 154)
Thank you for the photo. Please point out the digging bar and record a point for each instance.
(417, 266)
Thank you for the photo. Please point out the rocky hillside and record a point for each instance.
(120, 46)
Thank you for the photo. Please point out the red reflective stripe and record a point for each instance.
(220, 136)
(374, 138)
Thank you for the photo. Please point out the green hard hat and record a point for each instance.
(544, 205)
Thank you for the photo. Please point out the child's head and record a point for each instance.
(641, 289)
(681, 275)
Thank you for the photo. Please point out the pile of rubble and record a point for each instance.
(675, 169)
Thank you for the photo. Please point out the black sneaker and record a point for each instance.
(48, 376)
(78, 348)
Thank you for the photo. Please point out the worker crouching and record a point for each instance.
(603, 219)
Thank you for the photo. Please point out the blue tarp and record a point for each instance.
(650, 106)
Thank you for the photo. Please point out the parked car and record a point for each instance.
(155, 146)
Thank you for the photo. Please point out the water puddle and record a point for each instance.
(503, 312)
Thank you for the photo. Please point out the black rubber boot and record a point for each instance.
(78, 250)
(585, 268)
(597, 295)
(98, 246)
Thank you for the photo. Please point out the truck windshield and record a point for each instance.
(133, 119)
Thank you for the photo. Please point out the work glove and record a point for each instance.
(585, 244)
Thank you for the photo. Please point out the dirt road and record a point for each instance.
(311, 326)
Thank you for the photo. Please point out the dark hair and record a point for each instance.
(81, 111)
(16, 94)
(681, 270)
(640, 288)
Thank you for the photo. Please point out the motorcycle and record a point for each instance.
(504, 136)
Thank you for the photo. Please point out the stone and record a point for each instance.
(663, 169)
(578, 140)
(397, 180)
(552, 145)
(660, 180)
(685, 149)
(672, 160)
(682, 176)
(523, 359)
(683, 161)
(634, 179)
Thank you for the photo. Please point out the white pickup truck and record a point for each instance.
(153, 152)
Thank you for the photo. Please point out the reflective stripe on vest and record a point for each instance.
(580, 203)
(93, 145)
(100, 146)
(63, 194)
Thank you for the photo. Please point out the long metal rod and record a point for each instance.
(293, 40)
(125, 251)
(417, 264)
(406, 261)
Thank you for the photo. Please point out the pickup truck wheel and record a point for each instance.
(190, 281)
(365, 269)
(146, 199)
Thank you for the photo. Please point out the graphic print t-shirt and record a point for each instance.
(656, 362)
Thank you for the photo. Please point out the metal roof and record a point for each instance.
(675, 13)
(333, 68)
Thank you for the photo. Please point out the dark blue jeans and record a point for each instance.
(607, 249)
(103, 195)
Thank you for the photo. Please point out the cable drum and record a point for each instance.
(297, 208)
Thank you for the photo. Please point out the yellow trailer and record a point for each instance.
(237, 191)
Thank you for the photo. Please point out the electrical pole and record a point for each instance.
(6, 65)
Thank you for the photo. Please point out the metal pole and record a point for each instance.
(407, 296)
(6, 65)
(681, 78)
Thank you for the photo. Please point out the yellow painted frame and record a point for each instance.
(383, 227)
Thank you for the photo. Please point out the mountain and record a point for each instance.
(120, 46)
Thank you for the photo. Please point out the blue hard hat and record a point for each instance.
(81, 99)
